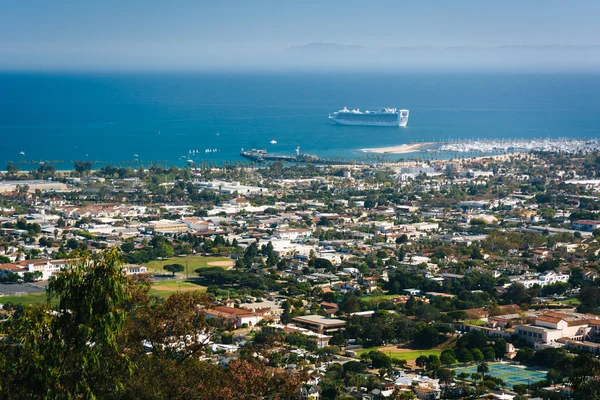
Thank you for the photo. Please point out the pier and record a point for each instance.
(263, 155)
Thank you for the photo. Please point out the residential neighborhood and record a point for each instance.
(422, 279)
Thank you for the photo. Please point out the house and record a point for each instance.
(329, 308)
(317, 339)
(238, 316)
(585, 225)
(134, 269)
(549, 278)
(425, 393)
(46, 267)
(310, 392)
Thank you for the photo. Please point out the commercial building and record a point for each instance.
(320, 324)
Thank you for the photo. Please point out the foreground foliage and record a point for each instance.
(106, 339)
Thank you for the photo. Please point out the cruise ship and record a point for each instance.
(383, 117)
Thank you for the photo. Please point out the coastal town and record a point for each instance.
(473, 277)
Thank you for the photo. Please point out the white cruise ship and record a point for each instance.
(383, 117)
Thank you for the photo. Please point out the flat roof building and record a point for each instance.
(319, 323)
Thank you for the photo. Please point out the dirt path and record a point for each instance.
(228, 263)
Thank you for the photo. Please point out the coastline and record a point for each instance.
(399, 149)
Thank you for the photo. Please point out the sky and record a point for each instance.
(72, 34)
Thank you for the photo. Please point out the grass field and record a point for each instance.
(193, 263)
(166, 288)
(571, 302)
(379, 297)
(29, 298)
(402, 354)
(161, 289)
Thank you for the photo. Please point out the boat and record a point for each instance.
(383, 117)
(22, 153)
(273, 141)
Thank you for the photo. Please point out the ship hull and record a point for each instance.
(369, 123)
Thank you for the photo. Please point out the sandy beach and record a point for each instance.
(400, 149)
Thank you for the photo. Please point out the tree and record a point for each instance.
(477, 355)
(427, 313)
(82, 167)
(174, 268)
(447, 357)
(476, 253)
(32, 276)
(380, 359)
(323, 263)
(589, 297)
(433, 363)
(525, 355)
(584, 378)
(349, 303)
(458, 315)
(402, 239)
(70, 350)
(11, 168)
(489, 353)
(402, 394)
(464, 355)
(445, 376)
(425, 336)
(483, 368)
(422, 361)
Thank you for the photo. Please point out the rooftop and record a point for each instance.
(319, 320)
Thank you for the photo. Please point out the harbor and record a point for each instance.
(569, 146)
(494, 146)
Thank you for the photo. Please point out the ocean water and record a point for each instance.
(118, 118)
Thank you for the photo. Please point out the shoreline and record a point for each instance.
(400, 149)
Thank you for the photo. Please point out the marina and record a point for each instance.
(494, 146)
(570, 146)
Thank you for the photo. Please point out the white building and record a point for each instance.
(548, 278)
(552, 326)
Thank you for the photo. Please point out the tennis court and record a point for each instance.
(510, 374)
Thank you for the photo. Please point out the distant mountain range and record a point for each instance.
(502, 57)
(322, 46)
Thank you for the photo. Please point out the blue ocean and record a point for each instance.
(160, 118)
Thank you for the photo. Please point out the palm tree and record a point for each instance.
(483, 368)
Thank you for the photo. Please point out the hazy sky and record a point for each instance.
(38, 34)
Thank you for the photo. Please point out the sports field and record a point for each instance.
(401, 354)
(25, 298)
(192, 262)
(510, 374)
(166, 288)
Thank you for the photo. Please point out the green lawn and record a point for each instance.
(161, 289)
(29, 298)
(193, 263)
(402, 354)
(573, 301)
(166, 288)
(380, 297)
